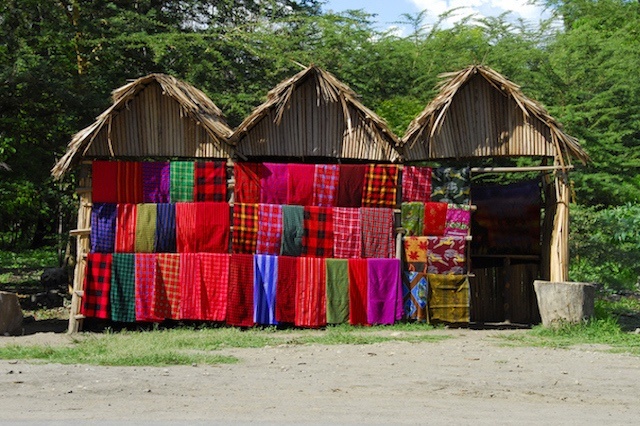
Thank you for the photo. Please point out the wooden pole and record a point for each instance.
(559, 260)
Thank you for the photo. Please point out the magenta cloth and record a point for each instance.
(416, 183)
(155, 182)
(347, 233)
(301, 184)
(274, 183)
(385, 291)
(457, 220)
(325, 186)
(269, 229)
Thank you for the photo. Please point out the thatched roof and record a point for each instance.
(313, 114)
(479, 113)
(156, 115)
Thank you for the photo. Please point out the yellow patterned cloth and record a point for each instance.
(415, 249)
(448, 299)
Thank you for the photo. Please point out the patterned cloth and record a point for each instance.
(325, 185)
(450, 185)
(317, 240)
(240, 294)
(301, 178)
(212, 227)
(129, 184)
(126, 228)
(146, 218)
(146, 278)
(123, 287)
(269, 229)
(377, 232)
(104, 181)
(292, 230)
(415, 249)
(210, 181)
(414, 291)
(435, 218)
(97, 285)
(416, 183)
(186, 227)
(337, 291)
(384, 291)
(380, 186)
(412, 218)
(274, 183)
(265, 276)
(351, 185)
(166, 228)
(311, 308)
(247, 182)
(358, 291)
(245, 228)
(103, 228)
(190, 287)
(458, 219)
(155, 182)
(215, 277)
(347, 233)
(166, 303)
(285, 311)
(448, 298)
(446, 255)
(182, 181)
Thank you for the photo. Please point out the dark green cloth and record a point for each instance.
(292, 230)
(413, 218)
(337, 291)
(123, 285)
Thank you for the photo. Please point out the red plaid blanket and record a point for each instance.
(317, 240)
(146, 278)
(270, 229)
(97, 284)
(325, 185)
(311, 302)
(286, 289)
(240, 295)
(210, 181)
(245, 228)
(126, 228)
(215, 275)
(167, 292)
(380, 186)
(190, 287)
(347, 233)
(416, 183)
(247, 182)
(377, 232)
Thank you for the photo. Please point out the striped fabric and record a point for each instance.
(245, 228)
(412, 218)
(269, 229)
(311, 306)
(416, 183)
(126, 228)
(286, 289)
(247, 182)
(317, 239)
(265, 276)
(380, 186)
(123, 287)
(97, 285)
(129, 184)
(146, 218)
(155, 182)
(274, 183)
(104, 179)
(190, 287)
(377, 232)
(103, 228)
(165, 228)
(292, 230)
(166, 303)
(210, 181)
(215, 277)
(347, 233)
(146, 286)
(182, 181)
(325, 184)
(186, 227)
(240, 294)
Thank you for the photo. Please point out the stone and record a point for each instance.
(564, 302)
(10, 314)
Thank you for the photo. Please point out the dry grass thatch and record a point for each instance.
(176, 120)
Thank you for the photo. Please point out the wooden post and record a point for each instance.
(559, 253)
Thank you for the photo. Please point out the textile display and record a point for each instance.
(412, 218)
(245, 228)
(212, 227)
(166, 303)
(186, 227)
(103, 228)
(457, 220)
(165, 228)
(337, 291)
(155, 182)
(358, 291)
(286, 289)
(126, 228)
(325, 184)
(446, 255)
(240, 293)
(104, 178)
(123, 287)
(415, 249)
(317, 237)
(269, 229)
(448, 298)
(146, 278)
(129, 185)
(247, 182)
(416, 183)
(377, 232)
(450, 185)
(347, 233)
(380, 186)
(351, 185)
(265, 276)
(190, 278)
(301, 184)
(435, 218)
(274, 183)
(292, 230)
(384, 291)
(146, 218)
(214, 269)
(210, 181)
(181, 181)
(97, 285)
(414, 294)
(311, 307)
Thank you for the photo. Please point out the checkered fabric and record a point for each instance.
(146, 286)
(446, 255)
(377, 232)
(210, 181)
(311, 300)
(182, 181)
(449, 298)
(215, 277)
(167, 292)
(97, 285)
(317, 239)
(347, 233)
(186, 227)
(103, 228)
(126, 228)
(104, 179)
(435, 218)
(416, 183)
(129, 184)
(247, 182)
(155, 182)
(269, 229)
(325, 184)
(245, 228)
(380, 186)
(190, 287)
(240, 294)
(286, 289)
(123, 287)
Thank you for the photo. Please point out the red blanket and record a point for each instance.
(97, 284)
(416, 183)
(104, 179)
(286, 289)
(167, 292)
(126, 228)
(247, 182)
(311, 301)
(240, 295)
(347, 233)
(186, 227)
(380, 186)
(301, 184)
(358, 291)
(146, 277)
(129, 184)
(377, 232)
(435, 218)
(215, 276)
(245, 228)
(317, 240)
(210, 181)
(190, 287)
(274, 183)
(212, 227)
(350, 185)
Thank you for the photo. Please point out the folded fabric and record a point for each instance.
(347, 233)
(182, 181)
(292, 230)
(247, 182)
(435, 218)
(269, 229)
(146, 277)
(190, 287)
(337, 291)
(212, 227)
(351, 185)
(457, 220)
(301, 184)
(126, 228)
(103, 228)
(286, 289)
(380, 186)
(245, 228)
(311, 307)
(377, 232)
(146, 218)
(123, 287)
(274, 183)
(155, 182)
(448, 298)
(450, 185)
(325, 184)
(165, 228)
(265, 276)
(412, 217)
(358, 291)
(166, 303)
(129, 184)
(186, 238)
(104, 182)
(446, 255)
(414, 291)
(240, 293)
(210, 181)
(97, 285)
(415, 249)
(416, 183)
(215, 277)
(317, 239)
(384, 291)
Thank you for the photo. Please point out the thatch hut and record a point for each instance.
(479, 114)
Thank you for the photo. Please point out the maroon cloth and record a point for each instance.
(350, 185)
(212, 227)
(358, 291)
(97, 285)
(286, 289)
(317, 240)
(301, 178)
(129, 186)
(240, 292)
(247, 182)
(104, 178)
(210, 181)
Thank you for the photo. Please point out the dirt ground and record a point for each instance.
(469, 378)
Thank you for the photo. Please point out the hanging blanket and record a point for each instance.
(351, 185)
(190, 287)
(182, 181)
(97, 284)
(166, 303)
(416, 183)
(311, 307)
(129, 182)
(123, 287)
(317, 240)
(146, 277)
(337, 291)
(126, 228)
(215, 277)
(385, 291)
(292, 230)
(247, 182)
(166, 228)
(240, 293)
(325, 185)
(301, 184)
(435, 218)
(446, 255)
(377, 232)
(274, 183)
(186, 227)
(458, 219)
(448, 298)
(286, 289)
(415, 251)
(146, 218)
(380, 186)
(414, 291)
(347, 233)
(104, 182)
(212, 227)
(450, 185)
(413, 218)
(265, 276)
(210, 181)
(155, 182)
(358, 291)
(245, 228)
(269, 229)
(103, 228)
